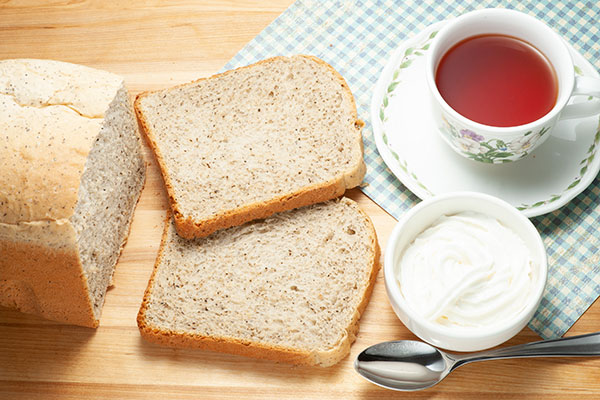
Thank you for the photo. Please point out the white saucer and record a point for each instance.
(408, 141)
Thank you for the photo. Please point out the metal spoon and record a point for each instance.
(410, 365)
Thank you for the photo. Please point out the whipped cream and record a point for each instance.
(466, 270)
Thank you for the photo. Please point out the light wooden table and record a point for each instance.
(156, 44)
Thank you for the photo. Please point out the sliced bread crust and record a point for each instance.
(180, 338)
(189, 226)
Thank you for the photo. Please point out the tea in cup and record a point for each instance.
(500, 81)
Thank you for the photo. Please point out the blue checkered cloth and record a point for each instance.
(357, 38)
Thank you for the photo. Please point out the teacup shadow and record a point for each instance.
(541, 166)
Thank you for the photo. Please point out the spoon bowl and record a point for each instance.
(411, 365)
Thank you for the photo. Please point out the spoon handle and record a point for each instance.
(574, 346)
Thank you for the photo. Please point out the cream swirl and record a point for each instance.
(466, 270)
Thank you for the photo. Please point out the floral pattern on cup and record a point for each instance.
(492, 151)
(400, 166)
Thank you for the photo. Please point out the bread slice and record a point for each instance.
(289, 288)
(71, 173)
(242, 145)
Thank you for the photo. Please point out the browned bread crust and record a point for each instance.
(182, 339)
(189, 228)
(46, 283)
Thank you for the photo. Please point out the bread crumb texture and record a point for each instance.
(296, 282)
(254, 134)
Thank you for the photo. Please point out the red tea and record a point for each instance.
(497, 80)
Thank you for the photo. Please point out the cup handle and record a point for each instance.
(584, 85)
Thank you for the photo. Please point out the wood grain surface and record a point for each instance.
(156, 44)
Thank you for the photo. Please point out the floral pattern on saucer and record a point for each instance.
(420, 176)
(409, 55)
(585, 164)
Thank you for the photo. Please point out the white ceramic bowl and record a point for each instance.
(424, 215)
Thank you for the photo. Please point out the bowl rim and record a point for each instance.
(462, 334)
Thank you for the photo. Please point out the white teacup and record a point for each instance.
(493, 144)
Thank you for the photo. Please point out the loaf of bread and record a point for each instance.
(71, 172)
(242, 145)
(289, 288)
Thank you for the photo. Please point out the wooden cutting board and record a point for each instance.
(156, 44)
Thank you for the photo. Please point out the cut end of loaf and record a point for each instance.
(269, 137)
(110, 187)
(290, 288)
